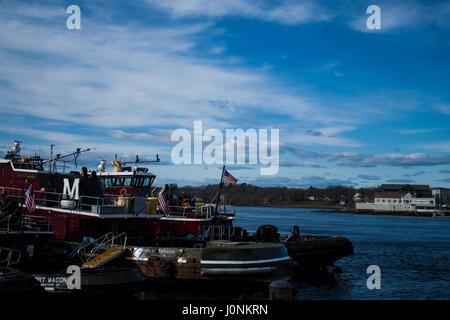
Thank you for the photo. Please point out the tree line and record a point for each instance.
(250, 195)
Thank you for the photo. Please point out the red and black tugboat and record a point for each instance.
(74, 205)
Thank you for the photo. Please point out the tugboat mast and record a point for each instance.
(59, 157)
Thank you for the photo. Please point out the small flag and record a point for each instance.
(227, 177)
(163, 203)
(29, 199)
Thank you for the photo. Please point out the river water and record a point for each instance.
(413, 253)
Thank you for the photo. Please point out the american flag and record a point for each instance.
(163, 203)
(29, 199)
(227, 177)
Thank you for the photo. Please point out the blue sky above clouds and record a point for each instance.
(354, 106)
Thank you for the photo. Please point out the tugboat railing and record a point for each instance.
(7, 258)
(204, 211)
(226, 210)
(27, 223)
(217, 232)
(11, 226)
(36, 223)
(105, 242)
(92, 205)
(62, 201)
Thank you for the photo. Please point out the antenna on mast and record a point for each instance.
(58, 157)
(51, 157)
(118, 165)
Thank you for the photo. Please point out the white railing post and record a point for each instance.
(9, 258)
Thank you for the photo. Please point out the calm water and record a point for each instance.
(413, 253)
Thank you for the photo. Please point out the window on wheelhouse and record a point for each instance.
(143, 182)
(140, 182)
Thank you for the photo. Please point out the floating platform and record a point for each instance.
(219, 261)
(315, 252)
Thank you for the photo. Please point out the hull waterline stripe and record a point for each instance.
(169, 218)
(286, 258)
(237, 271)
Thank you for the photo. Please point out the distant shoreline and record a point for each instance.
(340, 209)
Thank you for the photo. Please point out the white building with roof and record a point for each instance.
(398, 201)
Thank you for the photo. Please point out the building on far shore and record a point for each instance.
(441, 194)
(401, 198)
(318, 198)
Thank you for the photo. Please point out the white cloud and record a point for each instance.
(218, 50)
(394, 15)
(68, 142)
(300, 182)
(418, 131)
(324, 136)
(442, 146)
(162, 136)
(288, 163)
(403, 15)
(444, 108)
(291, 13)
(122, 77)
(286, 12)
(353, 159)
(15, 9)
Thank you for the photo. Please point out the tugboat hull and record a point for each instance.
(91, 280)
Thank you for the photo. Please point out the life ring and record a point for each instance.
(2, 190)
(123, 192)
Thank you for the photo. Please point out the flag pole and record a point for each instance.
(220, 189)
(21, 201)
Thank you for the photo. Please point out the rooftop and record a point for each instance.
(405, 187)
(395, 195)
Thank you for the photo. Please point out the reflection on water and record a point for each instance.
(413, 254)
(196, 291)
